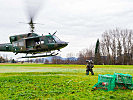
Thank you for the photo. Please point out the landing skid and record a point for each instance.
(40, 55)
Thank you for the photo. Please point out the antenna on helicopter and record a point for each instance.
(54, 32)
(49, 33)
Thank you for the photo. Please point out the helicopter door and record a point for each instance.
(31, 43)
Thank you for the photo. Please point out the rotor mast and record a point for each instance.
(32, 27)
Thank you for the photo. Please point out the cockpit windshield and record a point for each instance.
(56, 39)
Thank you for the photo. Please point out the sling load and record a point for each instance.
(113, 82)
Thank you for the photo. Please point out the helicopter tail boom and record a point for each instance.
(7, 47)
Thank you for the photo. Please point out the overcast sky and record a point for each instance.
(79, 22)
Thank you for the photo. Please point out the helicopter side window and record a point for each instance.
(14, 44)
(21, 43)
(50, 40)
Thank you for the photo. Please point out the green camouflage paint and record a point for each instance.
(31, 43)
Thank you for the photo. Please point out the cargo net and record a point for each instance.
(113, 82)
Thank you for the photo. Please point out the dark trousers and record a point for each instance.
(91, 70)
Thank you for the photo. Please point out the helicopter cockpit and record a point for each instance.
(51, 40)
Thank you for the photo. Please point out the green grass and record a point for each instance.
(57, 82)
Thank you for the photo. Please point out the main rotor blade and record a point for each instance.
(33, 7)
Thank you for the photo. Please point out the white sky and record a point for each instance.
(79, 22)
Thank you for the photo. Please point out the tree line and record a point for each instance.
(83, 55)
(5, 59)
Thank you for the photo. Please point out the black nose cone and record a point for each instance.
(62, 44)
(65, 44)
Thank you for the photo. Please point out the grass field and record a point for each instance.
(57, 82)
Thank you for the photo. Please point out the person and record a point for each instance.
(89, 67)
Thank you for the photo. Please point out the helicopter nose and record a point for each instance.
(62, 44)
(65, 44)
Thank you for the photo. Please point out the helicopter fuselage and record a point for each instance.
(32, 43)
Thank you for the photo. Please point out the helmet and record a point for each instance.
(89, 61)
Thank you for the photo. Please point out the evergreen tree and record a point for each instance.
(97, 59)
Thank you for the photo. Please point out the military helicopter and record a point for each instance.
(32, 43)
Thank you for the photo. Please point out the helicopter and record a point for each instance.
(32, 43)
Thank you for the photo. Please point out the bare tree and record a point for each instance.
(84, 55)
(46, 61)
(106, 42)
(118, 44)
